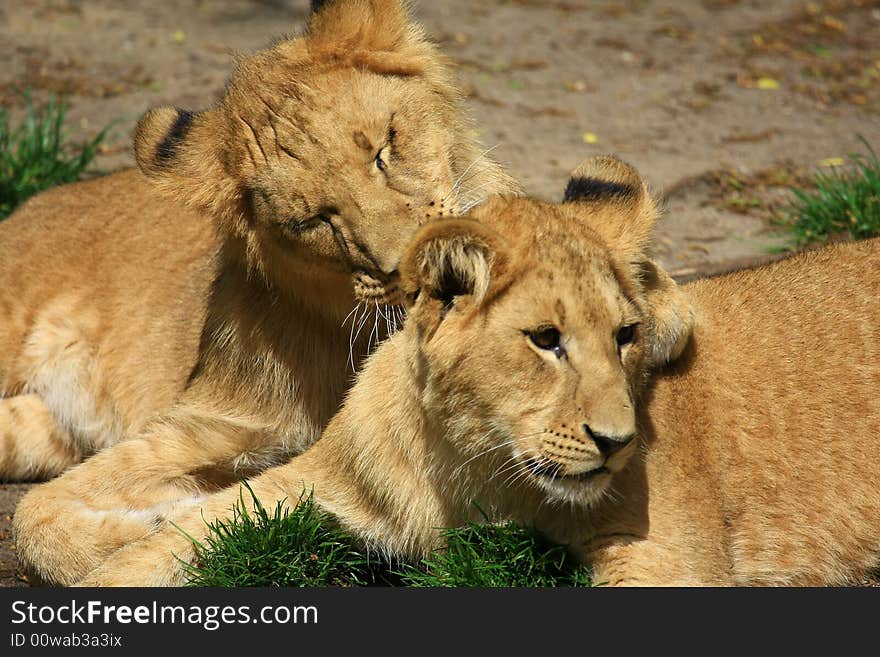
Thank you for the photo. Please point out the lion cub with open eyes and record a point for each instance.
(188, 321)
(533, 376)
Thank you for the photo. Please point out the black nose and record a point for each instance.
(608, 445)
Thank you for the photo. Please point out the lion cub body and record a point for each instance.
(99, 307)
(200, 320)
(720, 433)
(763, 440)
(225, 268)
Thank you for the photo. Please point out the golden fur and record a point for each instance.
(751, 459)
(201, 315)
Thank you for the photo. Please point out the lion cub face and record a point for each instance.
(379, 164)
(538, 324)
(326, 151)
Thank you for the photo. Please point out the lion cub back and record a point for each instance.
(779, 407)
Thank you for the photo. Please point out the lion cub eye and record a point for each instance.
(547, 338)
(323, 217)
(298, 226)
(626, 335)
(382, 158)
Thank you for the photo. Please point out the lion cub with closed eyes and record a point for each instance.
(184, 325)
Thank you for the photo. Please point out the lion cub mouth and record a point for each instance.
(586, 476)
(554, 472)
(581, 488)
(372, 289)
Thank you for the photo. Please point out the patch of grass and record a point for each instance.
(35, 155)
(502, 555)
(843, 202)
(303, 546)
(287, 547)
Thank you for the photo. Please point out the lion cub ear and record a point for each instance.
(616, 202)
(374, 35)
(617, 205)
(452, 259)
(160, 137)
(670, 316)
(177, 150)
(346, 25)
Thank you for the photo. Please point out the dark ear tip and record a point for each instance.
(595, 189)
(604, 177)
(159, 135)
(167, 149)
(318, 4)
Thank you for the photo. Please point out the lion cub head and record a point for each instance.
(327, 150)
(538, 324)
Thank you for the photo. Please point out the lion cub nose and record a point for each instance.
(607, 445)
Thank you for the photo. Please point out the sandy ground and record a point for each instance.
(721, 104)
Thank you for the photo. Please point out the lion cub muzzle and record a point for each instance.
(378, 289)
(576, 462)
(576, 451)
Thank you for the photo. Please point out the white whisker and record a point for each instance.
(469, 204)
(467, 207)
(374, 330)
(362, 318)
(516, 478)
(513, 463)
(476, 189)
(514, 460)
(351, 335)
(491, 449)
(524, 473)
(458, 183)
(385, 314)
(353, 311)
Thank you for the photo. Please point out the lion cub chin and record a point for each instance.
(719, 433)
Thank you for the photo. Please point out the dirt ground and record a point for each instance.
(721, 104)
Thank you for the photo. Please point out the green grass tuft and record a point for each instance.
(287, 547)
(845, 202)
(303, 546)
(34, 156)
(504, 555)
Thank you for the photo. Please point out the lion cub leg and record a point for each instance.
(66, 527)
(643, 562)
(161, 558)
(32, 444)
